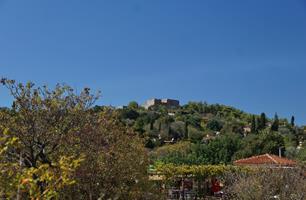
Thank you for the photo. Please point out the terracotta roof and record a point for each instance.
(266, 159)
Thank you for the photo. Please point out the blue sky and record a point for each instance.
(250, 54)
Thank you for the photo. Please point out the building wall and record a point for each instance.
(169, 103)
(152, 102)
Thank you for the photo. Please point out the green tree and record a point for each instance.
(301, 155)
(264, 142)
(292, 121)
(133, 105)
(178, 153)
(253, 124)
(218, 151)
(139, 125)
(222, 149)
(178, 129)
(194, 134)
(262, 121)
(215, 125)
(186, 130)
(128, 113)
(275, 124)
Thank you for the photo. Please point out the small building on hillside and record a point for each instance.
(169, 103)
(266, 160)
(151, 102)
(247, 129)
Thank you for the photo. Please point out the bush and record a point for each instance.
(214, 125)
(194, 134)
(267, 184)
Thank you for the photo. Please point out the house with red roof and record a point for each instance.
(266, 160)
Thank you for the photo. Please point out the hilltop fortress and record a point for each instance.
(169, 103)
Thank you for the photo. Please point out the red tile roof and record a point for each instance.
(266, 159)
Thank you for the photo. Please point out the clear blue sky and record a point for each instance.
(250, 54)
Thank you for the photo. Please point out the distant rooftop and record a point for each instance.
(266, 159)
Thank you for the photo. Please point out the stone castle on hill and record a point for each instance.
(169, 103)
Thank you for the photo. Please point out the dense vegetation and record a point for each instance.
(199, 133)
(55, 144)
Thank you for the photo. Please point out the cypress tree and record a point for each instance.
(258, 124)
(186, 130)
(275, 124)
(263, 121)
(253, 125)
(292, 121)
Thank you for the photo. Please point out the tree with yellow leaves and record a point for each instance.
(34, 160)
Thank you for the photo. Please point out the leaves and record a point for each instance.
(52, 178)
(171, 171)
(34, 138)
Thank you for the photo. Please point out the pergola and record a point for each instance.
(189, 181)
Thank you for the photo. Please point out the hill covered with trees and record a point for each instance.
(202, 133)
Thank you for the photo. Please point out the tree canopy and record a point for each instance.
(54, 145)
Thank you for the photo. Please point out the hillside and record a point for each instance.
(58, 136)
(198, 133)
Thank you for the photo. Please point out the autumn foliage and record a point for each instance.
(53, 145)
